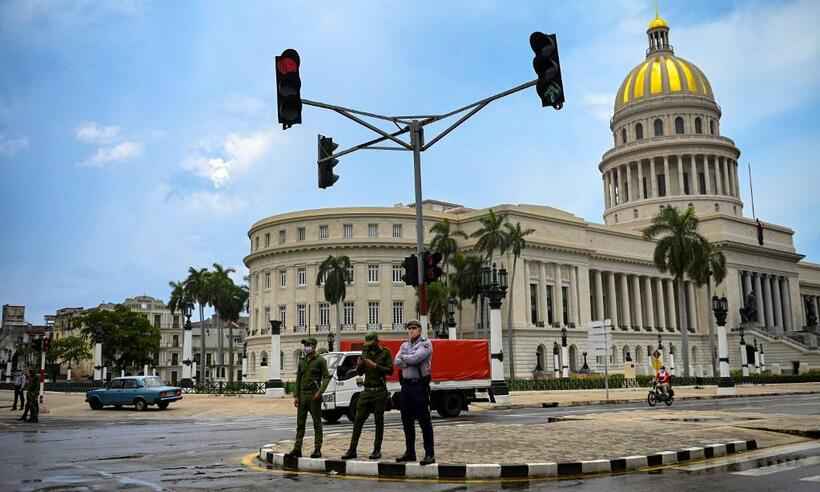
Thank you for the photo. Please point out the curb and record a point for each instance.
(392, 470)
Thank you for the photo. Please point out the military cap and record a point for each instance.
(370, 338)
(309, 341)
(412, 322)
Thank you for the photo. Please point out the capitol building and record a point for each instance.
(668, 151)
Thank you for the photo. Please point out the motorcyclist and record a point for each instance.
(664, 380)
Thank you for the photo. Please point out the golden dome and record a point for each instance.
(657, 22)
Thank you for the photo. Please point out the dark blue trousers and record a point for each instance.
(415, 405)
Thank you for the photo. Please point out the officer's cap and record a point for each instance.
(371, 338)
(413, 322)
(309, 341)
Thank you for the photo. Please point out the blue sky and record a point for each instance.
(139, 138)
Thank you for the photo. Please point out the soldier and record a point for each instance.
(312, 378)
(415, 360)
(19, 390)
(32, 410)
(376, 364)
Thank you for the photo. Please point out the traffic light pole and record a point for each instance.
(414, 125)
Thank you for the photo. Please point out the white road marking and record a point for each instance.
(779, 467)
(815, 478)
(750, 456)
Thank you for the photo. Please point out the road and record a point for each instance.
(206, 454)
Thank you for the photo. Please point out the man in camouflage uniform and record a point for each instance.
(312, 378)
(376, 364)
(32, 410)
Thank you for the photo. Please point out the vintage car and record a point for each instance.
(139, 391)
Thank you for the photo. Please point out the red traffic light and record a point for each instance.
(288, 62)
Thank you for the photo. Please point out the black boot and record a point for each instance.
(349, 455)
(427, 460)
(296, 453)
(316, 453)
(405, 458)
(375, 455)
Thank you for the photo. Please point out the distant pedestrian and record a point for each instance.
(415, 360)
(19, 390)
(312, 378)
(32, 410)
(376, 364)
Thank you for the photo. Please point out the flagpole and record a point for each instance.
(752, 190)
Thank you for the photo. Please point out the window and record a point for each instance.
(348, 231)
(283, 278)
(686, 184)
(397, 274)
(267, 239)
(282, 236)
(534, 303)
(257, 242)
(324, 315)
(638, 131)
(175, 342)
(398, 314)
(176, 321)
(658, 127)
(129, 383)
(661, 185)
(300, 234)
(323, 277)
(702, 183)
(283, 314)
(267, 280)
(565, 296)
(634, 213)
(679, 125)
(373, 314)
(157, 319)
(350, 274)
(550, 318)
(397, 231)
(266, 327)
(300, 315)
(711, 127)
(255, 320)
(301, 277)
(175, 359)
(623, 135)
(256, 282)
(208, 358)
(323, 232)
(372, 274)
(348, 314)
(372, 230)
(643, 188)
(698, 125)
(264, 359)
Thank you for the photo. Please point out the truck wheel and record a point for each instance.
(351, 410)
(332, 416)
(450, 405)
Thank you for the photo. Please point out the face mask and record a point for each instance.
(307, 349)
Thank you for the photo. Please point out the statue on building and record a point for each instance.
(748, 313)
(811, 315)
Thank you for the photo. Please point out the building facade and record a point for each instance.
(668, 151)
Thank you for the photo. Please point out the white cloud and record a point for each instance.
(239, 153)
(11, 146)
(92, 133)
(120, 152)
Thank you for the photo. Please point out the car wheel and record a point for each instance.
(117, 406)
(95, 404)
(162, 405)
(140, 404)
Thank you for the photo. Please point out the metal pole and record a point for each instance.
(415, 139)
(606, 361)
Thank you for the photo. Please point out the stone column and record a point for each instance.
(625, 301)
(680, 175)
(623, 184)
(628, 190)
(718, 177)
(747, 283)
(640, 193)
(761, 313)
(584, 297)
(599, 295)
(710, 188)
(606, 191)
(692, 308)
(559, 294)
(650, 303)
(98, 372)
(788, 324)
(673, 321)
(653, 178)
(693, 177)
(735, 178)
(636, 288)
(744, 362)
(661, 305)
(613, 307)
(778, 305)
(767, 297)
(666, 179)
(725, 385)
(542, 288)
(573, 295)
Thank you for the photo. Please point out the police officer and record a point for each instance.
(311, 380)
(376, 364)
(415, 360)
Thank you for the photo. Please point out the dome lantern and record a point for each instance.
(658, 34)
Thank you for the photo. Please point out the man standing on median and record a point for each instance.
(376, 364)
(311, 380)
(415, 360)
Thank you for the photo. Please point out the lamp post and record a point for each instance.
(451, 318)
(671, 359)
(274, 388)
(762, 359)
(494, 287)
(244, 360)
(98, 367)
(720, 306)
(744, 355)
(187, 350)
(331, 338)
(564, 354)
(556, 362)
(757, 358)
(660, 348)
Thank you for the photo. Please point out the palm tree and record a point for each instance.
(515, 243)
(710, 265)
(444, 242)
(235, 303)
(491, 235)
(438, 296)
(334, 273)
(678, 246)
(220, 290)
(198, 285)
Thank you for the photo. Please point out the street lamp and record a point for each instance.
(274, 387)
(564, 353)
(451, 318)
(330, 339)
(720, 307)
(493, 286)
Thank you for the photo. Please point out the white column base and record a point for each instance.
(275, 392)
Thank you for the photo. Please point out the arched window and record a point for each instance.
(623, 135)
(698, 125)
(253, 362)
(638, 354)
(679, 125)
(281, 361)
(712, 127)
(658, 127)
(638, 131)
(264, 359)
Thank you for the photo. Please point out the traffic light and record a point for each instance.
(411, 271)
(550, 87)
(432, 270)
(326, 148)
(37, 344)
(288, 87)
(46, 342)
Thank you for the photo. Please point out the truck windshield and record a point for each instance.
(332, 361)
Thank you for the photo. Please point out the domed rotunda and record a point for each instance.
(668, 150)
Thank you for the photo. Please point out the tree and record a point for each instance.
(198, 286)
(129, 340)
(707, 266)
(232, 309)
(491, 235)
(444, 242)
(220, 290)
(515, 244)
(69, 350)
(333, 271)
(438, 297)
(679, 247)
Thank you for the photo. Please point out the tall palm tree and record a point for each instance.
(438, 296)
(180, 297)
(220, 290)
(444, 242)
(235, 303)
(515, 244)
(491, 235)
(678, 246)
(197, 285)
(334, 273)
(708, 266)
